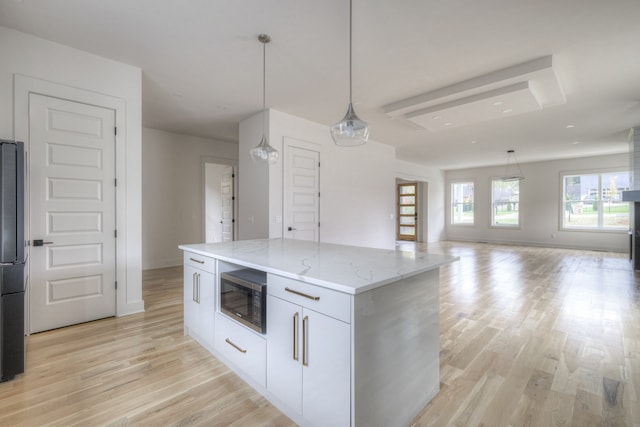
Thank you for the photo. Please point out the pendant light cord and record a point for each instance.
(264, 85)
(350, 51)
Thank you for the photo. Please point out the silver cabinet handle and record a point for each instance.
(228, 341)
(193, 291)
(198, 287)
(305, 344)
(295, 336)
(196, 260)
(302, 294)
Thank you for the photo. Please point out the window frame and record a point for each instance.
(451, 203)
(600, 227)
(506, 226)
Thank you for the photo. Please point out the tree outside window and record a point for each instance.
(462, 203)
(505, 202)
(594, 201)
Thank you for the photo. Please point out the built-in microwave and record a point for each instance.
(243, 297)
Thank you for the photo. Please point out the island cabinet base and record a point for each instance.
(396, 345)
(334, 353)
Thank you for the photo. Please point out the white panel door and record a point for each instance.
(72, 199)
(226, 199)
(302, 194)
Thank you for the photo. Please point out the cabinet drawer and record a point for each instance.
(243, 348)
(201, 262)
(327, 301)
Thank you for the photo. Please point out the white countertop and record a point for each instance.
(343, 268)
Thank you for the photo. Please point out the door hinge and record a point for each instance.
(233, 197)
(115, 130)
(318, 194)
(318, 164)
(318, 224)
(115, 182)
(115, 233)
(233, 175)
(116, 284)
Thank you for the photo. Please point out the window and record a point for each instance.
(594, 201)
(462, 204)
(505, 203)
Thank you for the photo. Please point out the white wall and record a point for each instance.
(213, 201)
(57, 65)
(253, 183)
(540, 195)
(357, 184)
(173, 192)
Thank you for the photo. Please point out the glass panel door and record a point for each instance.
(407, 211)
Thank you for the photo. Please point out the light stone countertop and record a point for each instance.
(343, 268)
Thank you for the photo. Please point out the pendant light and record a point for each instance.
(512, 171)
(263, 152)
(350, 131)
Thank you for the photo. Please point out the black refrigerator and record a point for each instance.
(12, 259)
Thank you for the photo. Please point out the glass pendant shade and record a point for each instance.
(264, 153)
(350, 131)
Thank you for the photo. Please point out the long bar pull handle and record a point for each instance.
(295, 337)
(241, 350)
(305, 344)
(302, 294)
(193, 293)
(197, 260)
(199, 288)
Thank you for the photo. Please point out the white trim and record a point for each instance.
(23, 87)
(600, 228)
(517, 226)
(449, 202)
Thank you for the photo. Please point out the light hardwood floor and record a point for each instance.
(529, 337)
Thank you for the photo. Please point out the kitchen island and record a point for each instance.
(352, 334)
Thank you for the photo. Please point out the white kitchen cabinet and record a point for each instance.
(199, 298)
(308, 363)
(242, 347)
(365, 321)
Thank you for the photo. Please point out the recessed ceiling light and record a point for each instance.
(448, 124)
(570, 126)
(436, 117)
(498, 103)
(576, 142)
(474, 142)
(507, 111)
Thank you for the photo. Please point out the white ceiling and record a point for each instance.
(202, 65)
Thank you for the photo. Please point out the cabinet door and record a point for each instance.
(326, 372)
(284, 372)
(190, 307)
(206, 306)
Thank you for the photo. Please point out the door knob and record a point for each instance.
(291, 229)
(40, 243)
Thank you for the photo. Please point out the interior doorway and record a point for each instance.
(411, 210)
(219, 202)
(407, 211)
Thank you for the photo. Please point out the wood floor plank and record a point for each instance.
(529, 337)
